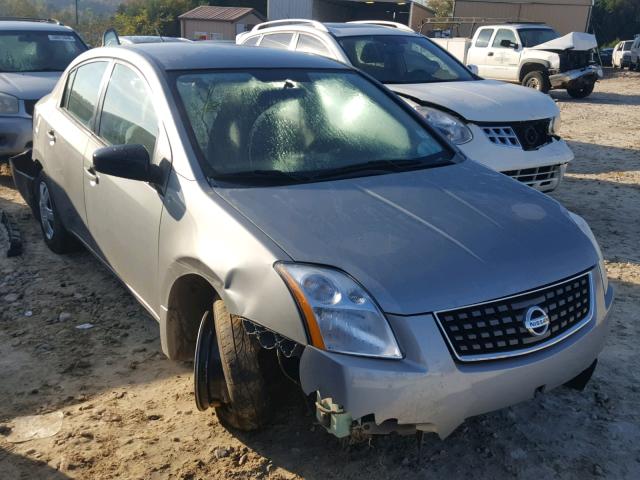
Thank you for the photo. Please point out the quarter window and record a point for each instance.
(504, 34)
(277, 40)
(309, 44)
(85, 90)
(128, 116)
(483, 37)
(253, 41)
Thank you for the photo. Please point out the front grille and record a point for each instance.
(539, 176)
(495, 329)
(529, 135)
(29, 106)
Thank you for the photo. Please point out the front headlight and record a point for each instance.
(340, 315)
(554, 125)
(8, 104)
(453, 128)
(584, 226)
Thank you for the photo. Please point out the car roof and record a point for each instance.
(359, 29)
(33, 26)
(199, 56)
(152, 39)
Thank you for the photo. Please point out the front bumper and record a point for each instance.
(428, 390)
(574, 78)
(520, 164)
(15, 135)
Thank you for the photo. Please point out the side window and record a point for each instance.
(483, 38)
(252, 42)
(277, 40)
(85, 90)
(128, 116)
(504, 34)
(309, 44)
(67, 89)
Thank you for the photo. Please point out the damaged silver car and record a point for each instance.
(280, 210)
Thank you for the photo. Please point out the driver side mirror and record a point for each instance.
(508, 44)
(126, 161)
(473, 69)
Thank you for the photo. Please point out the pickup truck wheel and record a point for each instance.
(248, 404)
(581, 92)
(537, 80)
(55, 235)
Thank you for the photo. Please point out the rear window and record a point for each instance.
(297, 122)
(277, 40)
(84, 92)
(483, 38)
(38, 51)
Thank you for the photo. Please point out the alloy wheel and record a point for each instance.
(46, 211)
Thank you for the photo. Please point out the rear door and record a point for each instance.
(124, 215)
(66, 132)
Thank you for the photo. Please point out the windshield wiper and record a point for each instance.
(261, 176)
(372, 167)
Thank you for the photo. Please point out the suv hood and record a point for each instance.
(28, 85)
(571, 41)
(482, 100)
(426, 240)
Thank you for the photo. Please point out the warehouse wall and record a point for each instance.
(417, 15)
(280, 9)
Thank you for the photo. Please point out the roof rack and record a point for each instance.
(290, 21)
(30, 19)
(384, 23)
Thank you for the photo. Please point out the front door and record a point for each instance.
(504, 60)
(124, 215)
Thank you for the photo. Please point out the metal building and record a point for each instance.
(564, 15)
(217, 23)
(409, 12)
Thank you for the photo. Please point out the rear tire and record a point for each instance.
(55, 235)
(582, 92)
(248, 406)
(537, 80)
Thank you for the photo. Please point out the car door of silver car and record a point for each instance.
(66, 133)
(124, 215)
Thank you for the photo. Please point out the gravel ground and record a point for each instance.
(129, 412)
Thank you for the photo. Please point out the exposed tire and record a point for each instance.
(537, 80)
(581, 92)
(55, 235)
(248, 407)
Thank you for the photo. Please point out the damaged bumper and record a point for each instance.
(574, 78)
(15, 135)
(429, 391)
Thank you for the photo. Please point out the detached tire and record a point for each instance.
(248, 406)
(538, 81)
(55, 235)
(581, 92)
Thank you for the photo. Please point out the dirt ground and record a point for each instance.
(130, 413)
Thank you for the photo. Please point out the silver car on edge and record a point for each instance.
(266, 205)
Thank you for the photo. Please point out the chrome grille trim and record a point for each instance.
(504, 136)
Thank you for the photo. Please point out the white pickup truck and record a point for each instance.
(533, 55)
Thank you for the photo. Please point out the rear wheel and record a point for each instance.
(247, 407)
(55, 235)
(581, 92)
(537, 80)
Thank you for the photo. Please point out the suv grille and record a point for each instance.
(29, 106)
(496, 329)
(526, 135)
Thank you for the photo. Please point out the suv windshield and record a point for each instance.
(26, 51)
(403, 59)
(536, 36)
(293, 126)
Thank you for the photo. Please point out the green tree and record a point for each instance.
(613, 19)
(443, 8)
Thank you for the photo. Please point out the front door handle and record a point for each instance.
(490, 54)
(52, 137)
(91, 174)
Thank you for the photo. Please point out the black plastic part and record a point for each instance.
(15, 240)
(125, 161)
(580, 381)
(208, 377)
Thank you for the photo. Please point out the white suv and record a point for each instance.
(509, 128)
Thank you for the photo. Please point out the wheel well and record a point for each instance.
(531, 67)
(191, 296)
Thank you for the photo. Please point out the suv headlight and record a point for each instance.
(554, 125)
(453, 128)
(584, 226)
(340, 315)
(8, 104)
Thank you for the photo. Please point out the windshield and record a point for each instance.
(38, 51)
(627, 46)
(295, 126)
(403, 59)
(531, 37)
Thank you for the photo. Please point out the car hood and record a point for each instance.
(426, 240)
(482, 100)
(28, 86)
(571, 41)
